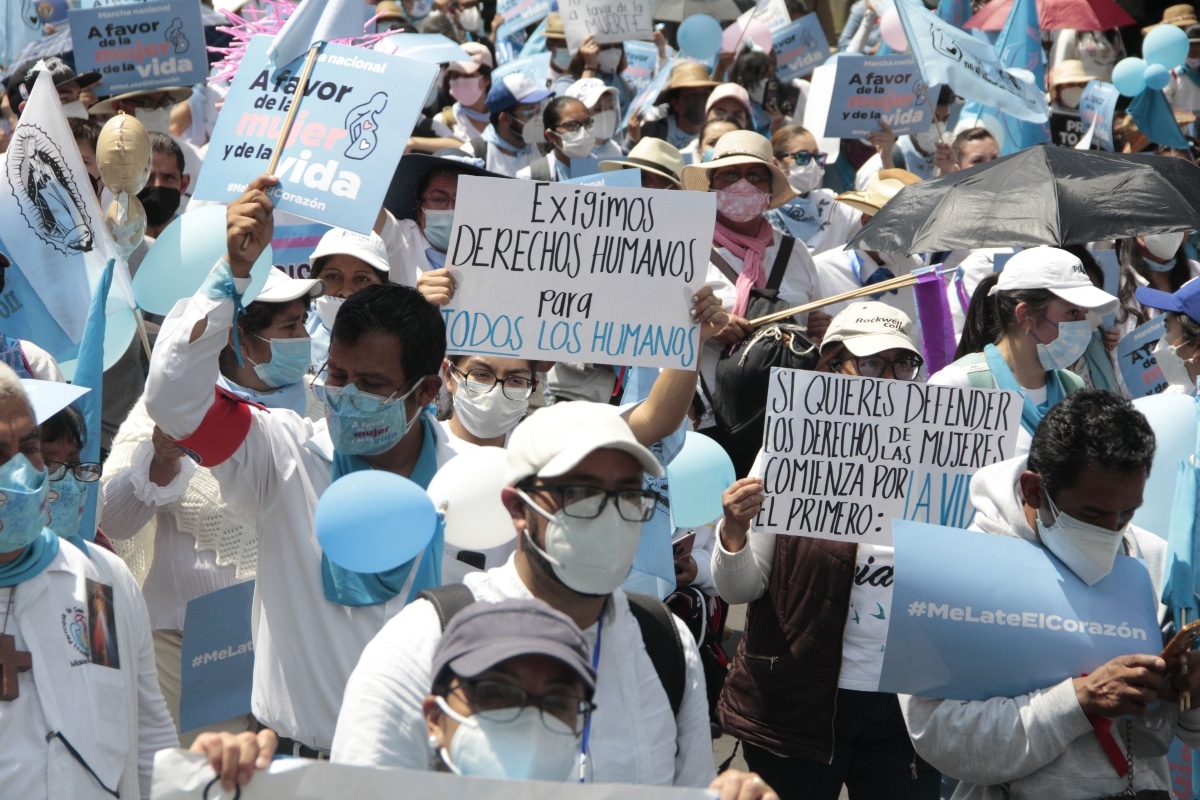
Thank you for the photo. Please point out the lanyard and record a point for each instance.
(587, 726)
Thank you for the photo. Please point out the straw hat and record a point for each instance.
(650, 155)
(740, 147)
(105, 107)
(554, 26)
(884, 185)
(1070, 72)
(1182, 15)
(389, 9)
(684, 76)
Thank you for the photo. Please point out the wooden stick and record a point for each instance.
(309, 62)
(141, 327)
(865, 291)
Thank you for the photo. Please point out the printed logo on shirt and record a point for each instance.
(102, 625)
(75, 630)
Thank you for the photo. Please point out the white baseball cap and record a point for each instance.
(552, 441)
(1057, 271)
(871, 327)
(368, 248)
(281, 288)
(480, 57)
(589, 91)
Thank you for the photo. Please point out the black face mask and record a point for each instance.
(160, 203)
(693, 109)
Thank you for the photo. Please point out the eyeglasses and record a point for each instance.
(586, 502)
(86, 471)
(571, 127)
(482, 381)
(802, 157)
(149, 103)
(503, 702)
(437, 201)
(727, 178)
(904, 368)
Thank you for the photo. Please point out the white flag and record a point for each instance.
(316, 21)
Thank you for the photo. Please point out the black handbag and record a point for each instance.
(739, 396)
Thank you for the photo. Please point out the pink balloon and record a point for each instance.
(892, 31)
(756, 32)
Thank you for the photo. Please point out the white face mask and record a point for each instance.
(1070, 96)
(75, 110)
(1087, 550)
(927, 141)
(805, 179)
(1067, 347)
(470, 19)
(590, 556)
(327, 307)
(523, 750)
(604, 125)
(578, 144)
(608, 60)
(155, 119)
(561, 60)
(1163, 246)
(487, 414)
(1174, 366)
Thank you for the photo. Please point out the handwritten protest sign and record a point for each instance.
(218, 657)
(179, 775)
(1135, 354)
(800, 47)
(564, 272)
(608, 20)
(773, 13)
(842, 455)
(141, 46)
(868, 90)
(336, 167)
(976, 616)
(642, 58)
(293, 242)
(1097, 106)
(519, 14)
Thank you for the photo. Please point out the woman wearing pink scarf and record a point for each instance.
(748, 183)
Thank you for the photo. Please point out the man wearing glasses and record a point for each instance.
(576, 497)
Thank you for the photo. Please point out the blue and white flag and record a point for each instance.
(946, 54)
(55, 236)
(316, 21)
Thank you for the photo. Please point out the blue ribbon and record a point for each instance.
(33, 559)
(1031, 415)
(218, 286)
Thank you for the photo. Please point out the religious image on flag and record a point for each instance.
(55, 237)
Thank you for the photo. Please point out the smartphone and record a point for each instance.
(684, 544)
(1181, 642)
(782, 96)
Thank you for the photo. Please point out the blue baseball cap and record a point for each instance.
(514, 88)
(1185, 301)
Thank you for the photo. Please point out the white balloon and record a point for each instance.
(1173, 420)
(467, 491)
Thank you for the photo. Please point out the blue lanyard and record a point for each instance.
(587, 726)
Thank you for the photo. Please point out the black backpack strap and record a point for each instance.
(448, 600)
(540, 170)
(479, 148)
(663, 645)
(719, 261)
(775, 279)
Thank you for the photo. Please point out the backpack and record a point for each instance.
(976, 367)
(655, 620)
(739, 396)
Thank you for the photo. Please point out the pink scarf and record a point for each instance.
(750, 249)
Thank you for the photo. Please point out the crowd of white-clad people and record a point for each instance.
(555, 656)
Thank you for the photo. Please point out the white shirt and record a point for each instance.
(836, 274)
(406, 246)
(634, 736)
(304, 645)
(503, 162)
(114, 717)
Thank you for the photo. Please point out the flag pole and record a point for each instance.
(288, 121)
(140, 321)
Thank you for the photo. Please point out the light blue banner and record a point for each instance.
(1097, 106)
(536, 67)
(432, 48)
(218, 657)
(336, 165)
(976, 616)
(293, 243)
(641, 58)
(630, 178)
(800, 47)
(139, 47)
(519, 14)
(645, 98)
(1135, 355)
(868, 90)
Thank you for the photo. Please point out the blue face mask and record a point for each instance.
(437, 228)
(707, 156)
(23, 504)
(289, 362)
(1072, 341)
(363, 424)
(67, 499)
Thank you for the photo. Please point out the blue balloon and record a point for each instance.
(1129, 76)
(699, 37)
(1173, 420)
(1157, 77)
(696, 477)
(1166, 46)
(373, 521)
(183, 255)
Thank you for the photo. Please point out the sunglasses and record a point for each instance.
(802, 157)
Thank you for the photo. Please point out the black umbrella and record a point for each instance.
(1042, 195)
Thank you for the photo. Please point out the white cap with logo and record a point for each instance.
(869, 328)
(1057, 271)
(368, 248)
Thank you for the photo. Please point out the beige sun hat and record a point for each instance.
(105, 108)
(1182, 15)
(650, 155)
(740, 147)
(1070, 71)
(884, 185)
(686, 75)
